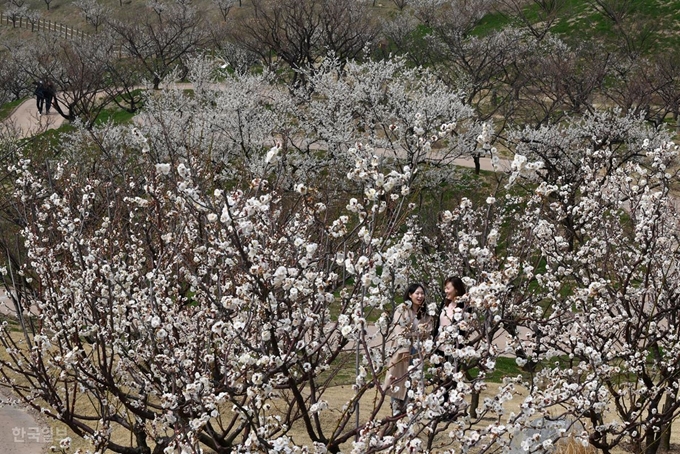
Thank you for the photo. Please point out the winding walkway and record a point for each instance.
(25, 120)
(20, 432)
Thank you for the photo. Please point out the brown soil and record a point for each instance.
(340, 394)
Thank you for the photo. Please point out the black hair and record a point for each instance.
(410, 290)
(457, 284)
(460, 291)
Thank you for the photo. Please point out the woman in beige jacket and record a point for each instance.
(412, 325)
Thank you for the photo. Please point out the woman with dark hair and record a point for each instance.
(453, 290)
(412, 325)
(447, 332)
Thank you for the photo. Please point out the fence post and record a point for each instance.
(46, 25)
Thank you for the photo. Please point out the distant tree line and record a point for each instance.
(520, 73)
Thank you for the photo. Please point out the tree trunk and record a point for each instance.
(474, 404)
(474, 398)
(652, 441)
(666, 430)
(55, 103)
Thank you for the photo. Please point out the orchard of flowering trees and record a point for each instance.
(199, 280)
(196, 281)
(524, 70)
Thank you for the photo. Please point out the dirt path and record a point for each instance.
(20, 432)
(26, 121)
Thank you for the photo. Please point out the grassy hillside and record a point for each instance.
(655, 22)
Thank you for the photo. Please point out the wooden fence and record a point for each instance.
(43, 25)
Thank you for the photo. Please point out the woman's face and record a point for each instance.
(418, 297)
(450, 291)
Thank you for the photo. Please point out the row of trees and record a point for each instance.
(200, 278)
(521, 73)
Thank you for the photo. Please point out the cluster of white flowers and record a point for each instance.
(521, 168)
(273, 153)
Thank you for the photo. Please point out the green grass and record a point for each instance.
(343, 371)
(505, 367)
(580, 21)
(114, 115)
(12, 322)
(42, 146)
(7, 109)
(490, 23)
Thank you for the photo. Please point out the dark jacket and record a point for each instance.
(39, 91)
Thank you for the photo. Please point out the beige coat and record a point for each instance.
(407, 330)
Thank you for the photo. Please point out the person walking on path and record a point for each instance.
(49, 93)
(39, 96)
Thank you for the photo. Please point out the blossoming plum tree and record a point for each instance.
(606, 320)
(199, 279)
(208, 321)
